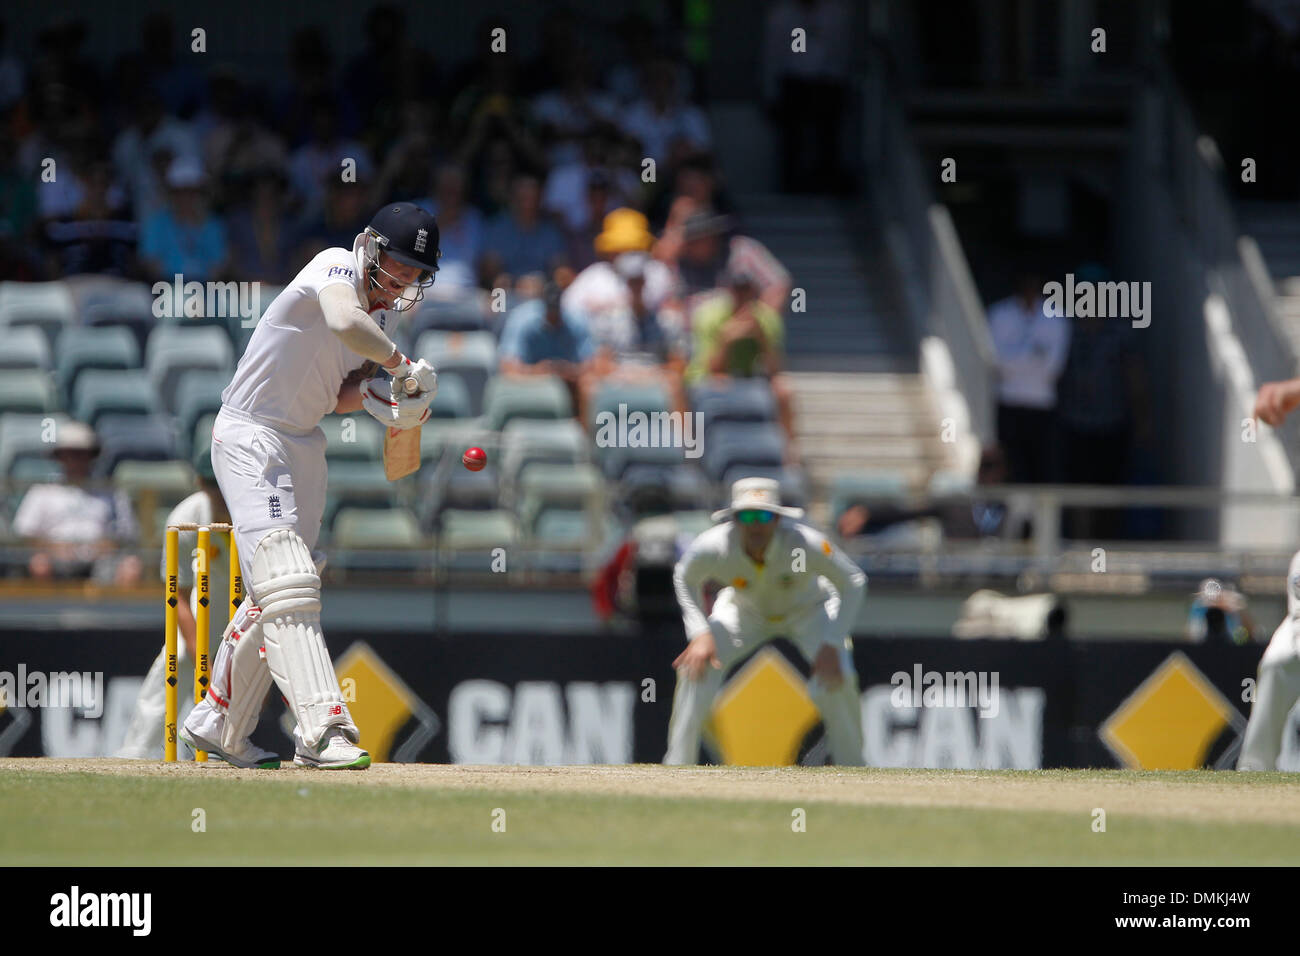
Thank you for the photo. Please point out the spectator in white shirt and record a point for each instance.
(1031, 349)
(74, 530)
(662, 122)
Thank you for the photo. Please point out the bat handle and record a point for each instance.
(410, 386)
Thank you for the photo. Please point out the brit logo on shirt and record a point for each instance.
(339, 271)
(274, 503)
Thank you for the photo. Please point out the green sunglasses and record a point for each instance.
(754, 516)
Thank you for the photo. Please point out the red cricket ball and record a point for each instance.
(474, 459)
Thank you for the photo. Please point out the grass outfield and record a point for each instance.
(80, 812)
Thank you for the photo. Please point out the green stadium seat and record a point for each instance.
(168, 481)
(26, 436)
(381, 528)
(101, 392)
(198, 395)
(453, 399)
(539, 396)
(470, 355)
(550, 486)
(110, 347)
(202, 434)
(355, 437)
(27, 390)
(476, 530)
(525, 442)
(847, 489)
(25, 347)
(47, 305)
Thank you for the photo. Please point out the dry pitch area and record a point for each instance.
(111, 811)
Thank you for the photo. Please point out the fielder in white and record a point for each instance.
(1278, 684)
(779, 578)
(307, 358)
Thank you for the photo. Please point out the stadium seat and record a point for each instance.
(450, 315)
(535, 397)
(357, 484)
(616, 460)
(78, 349)
(557, 486)
(525, 442)
(47, 305)
(743, 443)
(25, 436)
(98, 297)
(197, 395)
(27, 390)
(133, 438)
(355, 437)
(25, 347)
(100, 392)
(470, 355)
(637, 396)
(202, 434)
(166, 482)
(741, 400)
(168, 366)
(196, 339)
(846, 489)
(380, 528)
(476, 530)
(453, 399)
(678, 486)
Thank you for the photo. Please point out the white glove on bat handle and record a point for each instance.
(414, 378)
(403, 412)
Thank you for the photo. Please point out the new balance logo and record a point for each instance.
(336, 710)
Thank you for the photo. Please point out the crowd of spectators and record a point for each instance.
(534, 168)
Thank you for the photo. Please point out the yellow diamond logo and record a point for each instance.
(1171, 721)
(381, 704)
(763, 714)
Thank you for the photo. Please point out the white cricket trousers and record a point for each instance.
(1276, 691)
(270, 479)
(736, 634)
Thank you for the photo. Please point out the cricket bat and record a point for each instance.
(402, 445)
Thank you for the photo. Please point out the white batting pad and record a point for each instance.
(247, 681)
(287, 589)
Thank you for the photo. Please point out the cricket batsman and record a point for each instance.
(315, 351)
(779, 578)
(1278, 685)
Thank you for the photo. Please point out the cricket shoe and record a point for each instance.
(334, 752)
(248, 757)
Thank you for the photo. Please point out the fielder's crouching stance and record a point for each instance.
(779, 578)
(1278, 685)
(307, 358)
